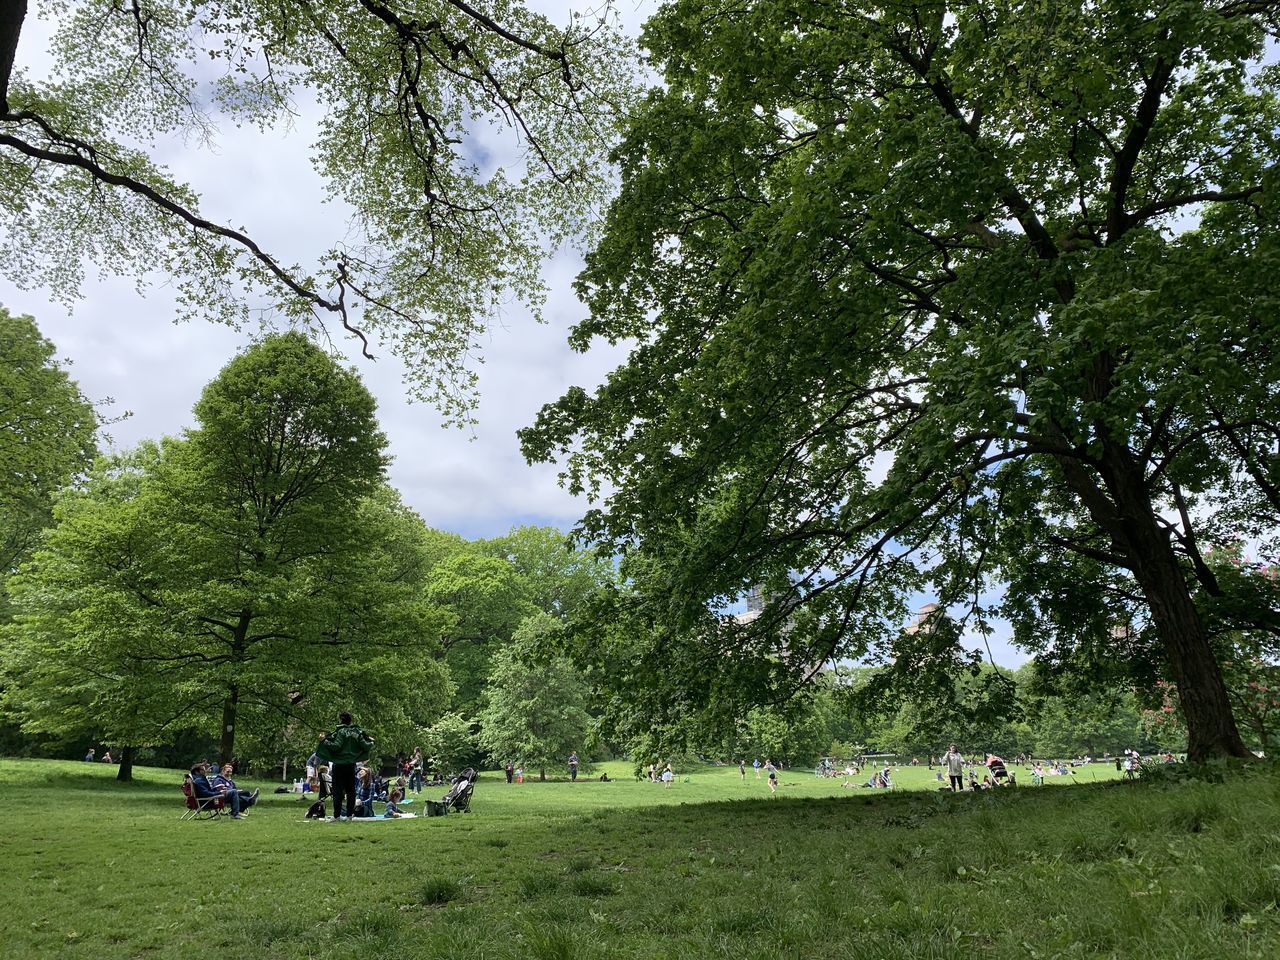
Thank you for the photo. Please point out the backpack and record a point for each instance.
(316, 811)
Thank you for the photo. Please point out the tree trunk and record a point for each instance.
(1202, 693)
(1126, 512)
(542, 773)
(127, 756)
(227, 743)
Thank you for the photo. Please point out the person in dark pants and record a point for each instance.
(573, 765)
(510, 771)
(346, 746)
(954, 762)
(204, 789)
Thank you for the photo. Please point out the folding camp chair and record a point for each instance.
(201, 808)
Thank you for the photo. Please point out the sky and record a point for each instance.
(129, 356)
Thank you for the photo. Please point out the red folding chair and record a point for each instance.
(201, 808)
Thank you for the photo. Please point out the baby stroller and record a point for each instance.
(458, 799)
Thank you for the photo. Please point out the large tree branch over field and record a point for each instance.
(436, 241)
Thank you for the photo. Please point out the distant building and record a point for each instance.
(923, 618)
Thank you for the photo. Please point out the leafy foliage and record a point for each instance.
(47, 431)
(438, 236)
(536, 712)
(256, 572)
(928, 297)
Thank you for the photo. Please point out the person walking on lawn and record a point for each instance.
(343, 749)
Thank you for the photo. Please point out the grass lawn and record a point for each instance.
(710, 867)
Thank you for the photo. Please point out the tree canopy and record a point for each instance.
(439, 235)
(258, 568)
(47, 437)
(970, 298)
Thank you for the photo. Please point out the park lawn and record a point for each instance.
(710, 867)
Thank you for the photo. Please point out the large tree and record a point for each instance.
(953, 296)
(257, 570)
(439, 236)
(47, 432)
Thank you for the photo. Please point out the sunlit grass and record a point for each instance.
(711, 867)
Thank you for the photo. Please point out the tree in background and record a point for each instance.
(560, 578)
(257, 570)
(450, 743)
(47, 439)
(437, 238)
(486, 599)
(536, 712)
(917, 307)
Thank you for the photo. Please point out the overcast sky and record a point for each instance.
(125, 346)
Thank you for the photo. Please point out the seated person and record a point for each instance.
(204, 789)
(224, 783)
(393, 804)
(366, 794)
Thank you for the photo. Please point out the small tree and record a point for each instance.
(450, 742)
(537, 701)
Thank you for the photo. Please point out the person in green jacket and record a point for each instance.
(343, 749)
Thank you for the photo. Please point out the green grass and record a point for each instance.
(708, 868)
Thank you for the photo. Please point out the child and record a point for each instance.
(393, 804)
(773, 781)
(520, 774)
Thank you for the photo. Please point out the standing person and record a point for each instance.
(742, 769)
(343, 749)
(756, 764)
(415, 770)
(313, 765)
(510, 771)
(573, 765)
(668, 776)
(954, 762)
(773, 781)
(88, 757)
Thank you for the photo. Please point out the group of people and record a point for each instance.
(770, 768)
(221, 785)
(666, 776)
(997, 773)
(90, 757)
(515, 771)
(339, 768)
